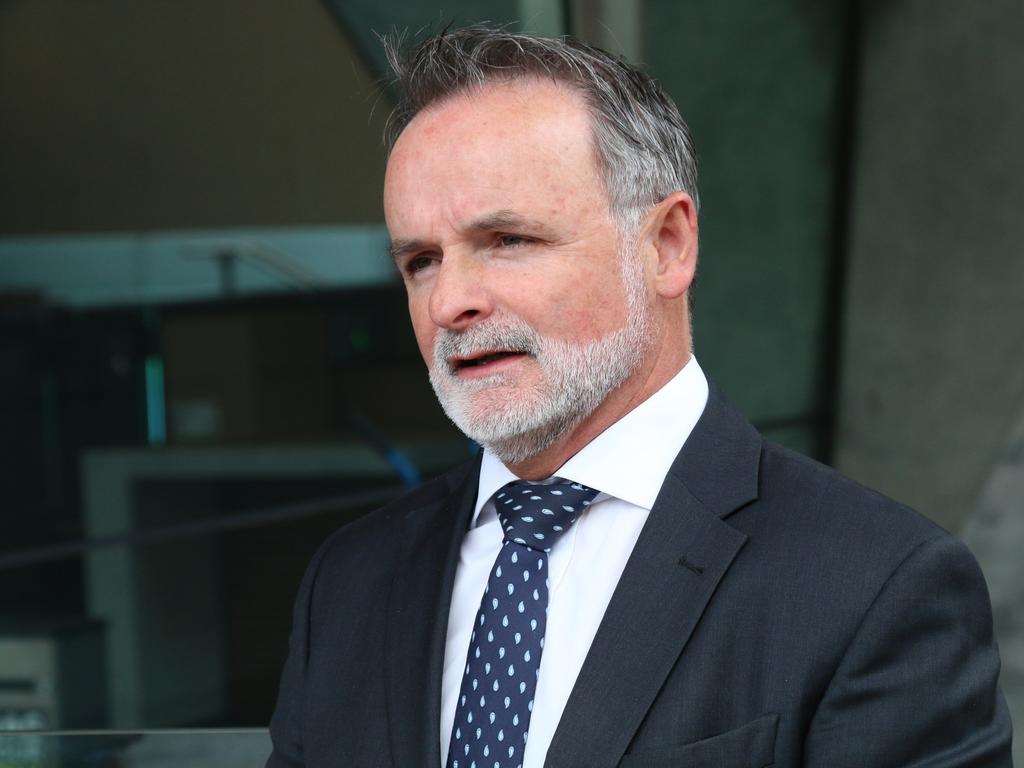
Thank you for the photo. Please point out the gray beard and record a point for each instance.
(515, 422)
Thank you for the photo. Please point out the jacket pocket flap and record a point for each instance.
(749, 746)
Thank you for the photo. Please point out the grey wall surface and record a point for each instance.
(933, 363)
(934, 339)
(995, 534)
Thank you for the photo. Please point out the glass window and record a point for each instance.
(207, 361)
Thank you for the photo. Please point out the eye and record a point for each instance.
(419, 263)
(512, 241)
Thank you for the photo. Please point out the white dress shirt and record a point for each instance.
(627, 463)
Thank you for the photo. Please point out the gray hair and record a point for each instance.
(644, 149)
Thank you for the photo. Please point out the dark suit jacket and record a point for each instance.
(773, 613)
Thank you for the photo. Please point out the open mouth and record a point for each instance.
(463, 363)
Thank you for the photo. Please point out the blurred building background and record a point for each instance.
(205, 359)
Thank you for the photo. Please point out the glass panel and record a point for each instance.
(207, 364)
(364, 20)
(760, 86)
(136, 749)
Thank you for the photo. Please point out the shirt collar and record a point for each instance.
(630, 459)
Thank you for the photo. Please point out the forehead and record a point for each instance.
(523, 143)
(538, 104)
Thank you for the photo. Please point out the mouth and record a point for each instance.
(484, 362)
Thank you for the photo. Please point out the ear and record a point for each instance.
(673, 234)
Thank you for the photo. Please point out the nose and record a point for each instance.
(459, 297)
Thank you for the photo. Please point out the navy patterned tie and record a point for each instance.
(492, 715)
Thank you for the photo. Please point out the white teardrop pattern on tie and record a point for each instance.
(532, 525)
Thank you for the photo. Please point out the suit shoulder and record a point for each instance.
(819, 501)
(817, 532)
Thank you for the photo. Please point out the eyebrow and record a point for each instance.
(495, 221)
(504, 219)
(400, 247)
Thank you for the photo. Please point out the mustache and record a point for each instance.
(505, 335)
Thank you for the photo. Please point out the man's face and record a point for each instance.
(525, 306)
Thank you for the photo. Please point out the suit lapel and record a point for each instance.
(418, 620)
(682, 554)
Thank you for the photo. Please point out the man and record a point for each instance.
(629, 575)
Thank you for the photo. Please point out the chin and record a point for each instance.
(513, 423)
(522, 446)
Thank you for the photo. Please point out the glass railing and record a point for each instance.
(208, 748)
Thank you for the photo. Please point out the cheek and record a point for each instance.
(588, 313)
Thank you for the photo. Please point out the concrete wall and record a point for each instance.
(995, 533)
(933, 359)
(932, 401)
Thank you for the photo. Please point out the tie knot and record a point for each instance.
(536, 515)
